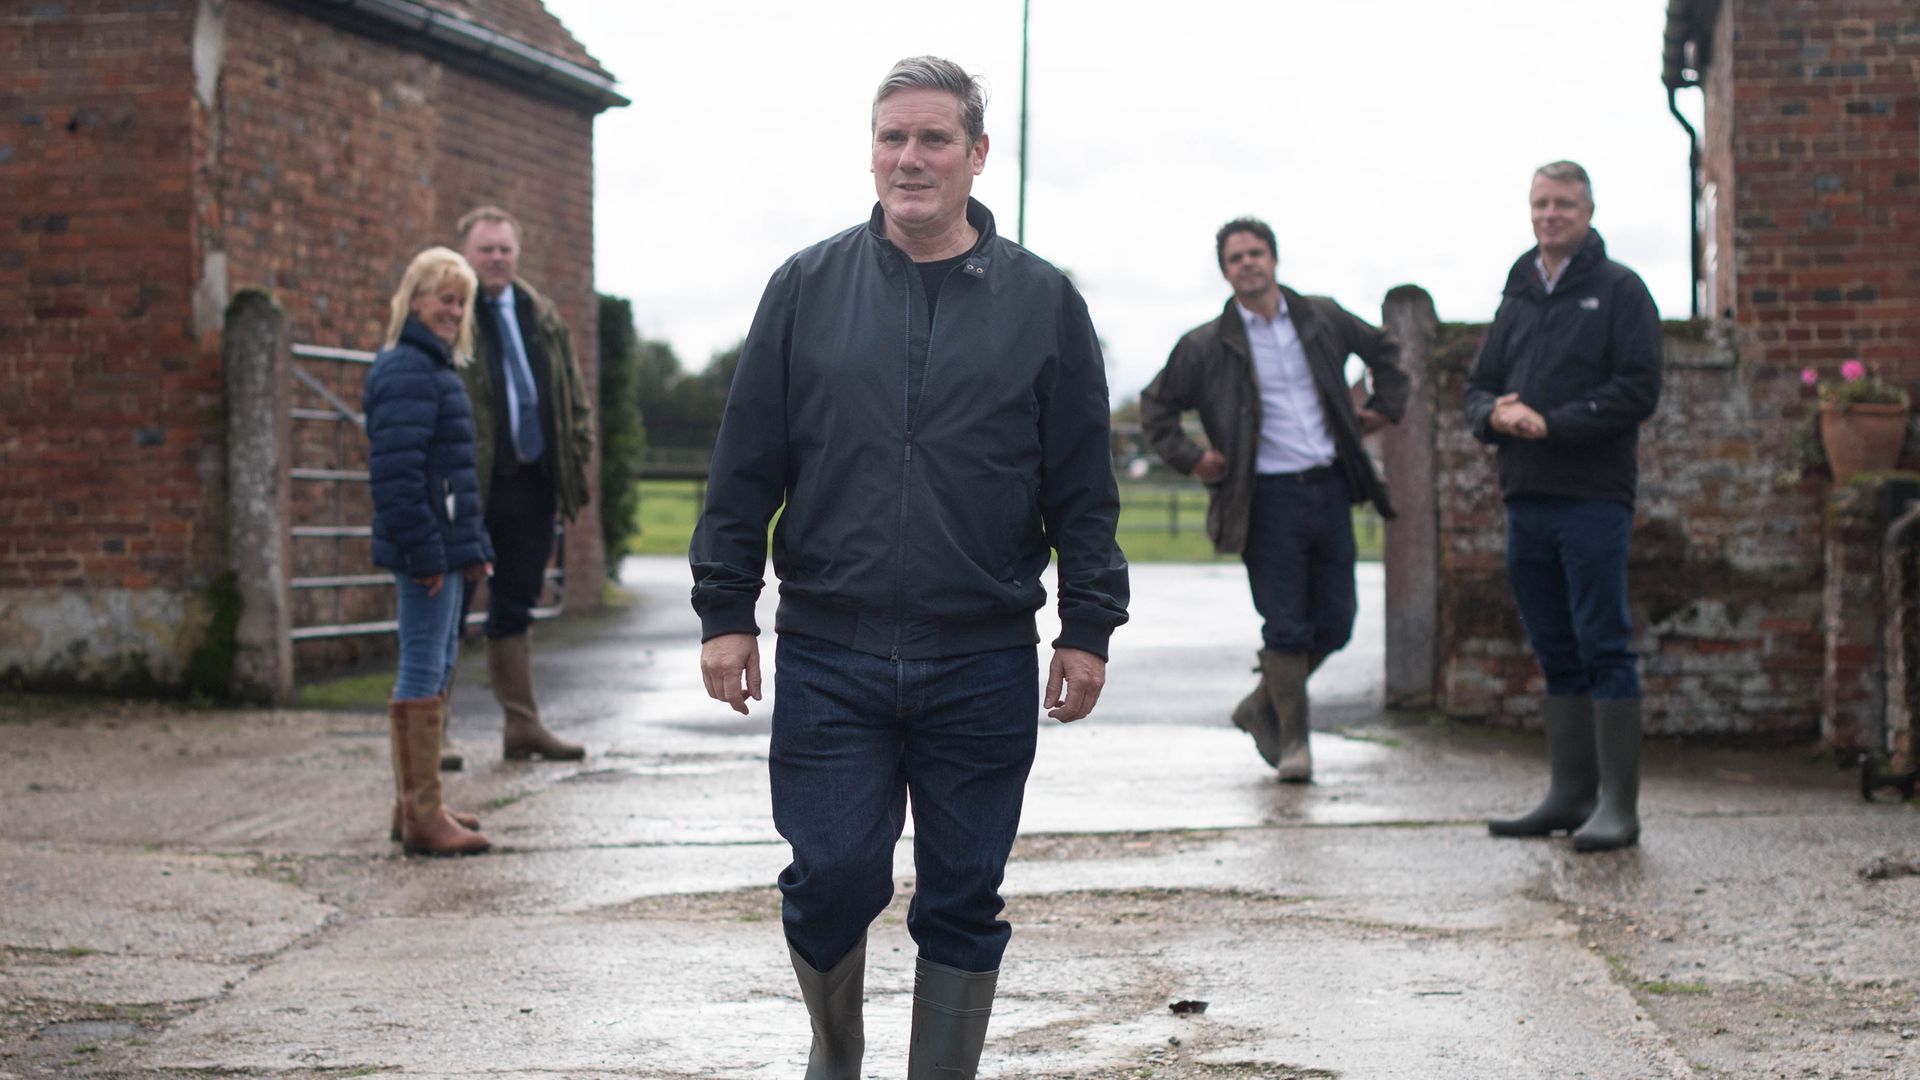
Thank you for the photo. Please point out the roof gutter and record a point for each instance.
(489, 52)
(1689, 23)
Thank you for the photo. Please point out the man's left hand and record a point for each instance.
(1074, 680)
(1371, 421)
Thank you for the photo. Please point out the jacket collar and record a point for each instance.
(415, 333)
(979, 257)
(1233, 329)
(1522, 279)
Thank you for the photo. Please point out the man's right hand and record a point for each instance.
(1211, 467)
(730, 666)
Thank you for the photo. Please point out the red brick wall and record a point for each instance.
(1821, 104)
(326, 160)
(108, 425)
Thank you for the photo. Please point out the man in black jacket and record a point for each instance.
(1568, 372)
(1283, 469)
(928, 401)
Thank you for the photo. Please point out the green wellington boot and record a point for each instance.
(834, 1002)
(1575, 775)
(1616, 824)
(950, 1012)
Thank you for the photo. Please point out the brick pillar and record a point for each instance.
(1853, 695)
(257, 359)
(1412, 541)
(1900, 636)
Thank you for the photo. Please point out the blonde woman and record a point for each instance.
(426, 527)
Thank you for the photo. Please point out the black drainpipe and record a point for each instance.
(1693, 198)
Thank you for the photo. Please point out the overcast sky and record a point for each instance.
(1386, 141)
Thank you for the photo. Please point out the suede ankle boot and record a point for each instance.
(1616, 822)
(426, 828)
(1574, 773)
(1285, 676)
(510, 669)
(835, 1000)
(950, 1013)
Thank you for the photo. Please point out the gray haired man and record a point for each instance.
(925, 476)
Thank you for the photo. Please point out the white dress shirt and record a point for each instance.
(1293, 425)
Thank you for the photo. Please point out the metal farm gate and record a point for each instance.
(337, 592)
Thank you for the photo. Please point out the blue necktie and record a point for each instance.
(528, 443)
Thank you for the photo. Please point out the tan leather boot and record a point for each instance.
(510, 669)
(1285, 677)
(426, 828)
(466, 821)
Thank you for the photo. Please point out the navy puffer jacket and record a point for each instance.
(426, 501)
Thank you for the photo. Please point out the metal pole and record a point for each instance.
(1020, 222)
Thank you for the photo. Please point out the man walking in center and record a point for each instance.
(1568, 372)
(929, 402)
(534, 426)
(1283, 467)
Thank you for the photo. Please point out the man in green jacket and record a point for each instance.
(1283, 467)
(534, 437)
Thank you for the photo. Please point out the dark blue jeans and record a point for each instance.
(853, 735)
(1299, 560)
(1567, 563)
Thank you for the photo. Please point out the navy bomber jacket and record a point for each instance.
(426, 503)
(927, 468)
(1586, 357)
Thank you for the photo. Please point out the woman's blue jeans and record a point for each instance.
(429, 636)
(853, 736)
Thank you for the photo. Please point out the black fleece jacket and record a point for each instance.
(927, 466)
(1586, 357)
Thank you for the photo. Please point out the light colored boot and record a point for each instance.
(835, 1000)
(426, 828)
(950, 1013)
(510, 669)
(1254, 715)
(1285, 677)
(1573, 777)
(1616, 821)
(466, 821)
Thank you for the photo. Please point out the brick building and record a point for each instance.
(1807, 253)
(160, 156)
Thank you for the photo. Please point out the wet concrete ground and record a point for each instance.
(201, 894)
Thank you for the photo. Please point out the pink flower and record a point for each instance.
(1853, 371)
(1808, 376)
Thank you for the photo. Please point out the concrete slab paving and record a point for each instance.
(192, 893)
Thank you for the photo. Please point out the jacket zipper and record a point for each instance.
(906, 459)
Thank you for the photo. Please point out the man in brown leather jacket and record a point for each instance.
(1283, 466)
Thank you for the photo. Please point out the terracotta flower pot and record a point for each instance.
(1861, 437)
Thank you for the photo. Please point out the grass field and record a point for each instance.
(1158, 523)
